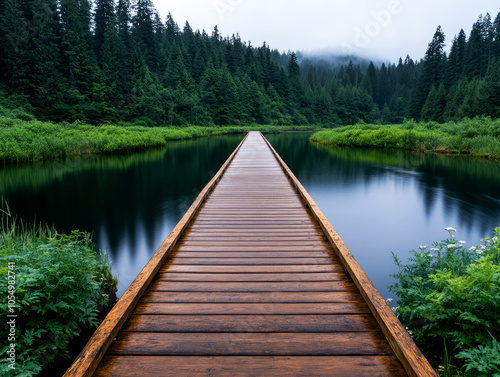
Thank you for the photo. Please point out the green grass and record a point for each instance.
(58, 286)
(34, 140)
(476, 137)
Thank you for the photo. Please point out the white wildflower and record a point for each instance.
(451, 245)
(423, 247)
(394, 309)
(479, 252)
(495, 239)
(434, 249)
(430, 255)
(462, 242)
(389, 300)
(450, 229)
(473, 248)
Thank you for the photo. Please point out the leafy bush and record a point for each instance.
(62, 286)
(482, 361)
(449, 299)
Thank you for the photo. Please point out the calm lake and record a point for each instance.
(377, 201)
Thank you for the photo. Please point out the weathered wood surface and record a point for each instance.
(255, 287)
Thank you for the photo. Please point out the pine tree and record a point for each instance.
(495, 44)
(110, 60)
(143, 30)
(487, 101)
(476, 52)
(175, 67)
(370, 82)
(488, 36)
(384, 86)
(468, 107)
(124, 45)
(14, 46)
(455, 64)
(81, 63)
(104, 17)
(172, 29)
(434, 106)
(432, 72)
(46, 78)
(189, 41)
(293, 67)
(455, 98)
(159, 45)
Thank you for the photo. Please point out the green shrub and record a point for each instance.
(449, 299)
(483, 361)
(62, 286)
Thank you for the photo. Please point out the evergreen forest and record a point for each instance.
(118, 62)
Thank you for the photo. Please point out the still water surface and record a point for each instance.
(378, 201)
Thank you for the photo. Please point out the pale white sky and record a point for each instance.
(379, 29)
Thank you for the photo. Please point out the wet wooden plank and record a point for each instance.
(252, 323)
(253, 308)
(276, 244)
(244, 236)
(248, 247)
(250, 254)
(309, 229)
(244, 366)
(253, 269)
(270, 277)
(252, 344)
(249, 297)
(286, 286)
(221, 261)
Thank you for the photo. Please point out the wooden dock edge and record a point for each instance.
(412, 359)
(90, 357)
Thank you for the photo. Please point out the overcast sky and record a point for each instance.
(379, 29)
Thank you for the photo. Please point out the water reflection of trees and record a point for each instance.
(465, 186)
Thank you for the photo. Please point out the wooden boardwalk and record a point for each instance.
(253, 282)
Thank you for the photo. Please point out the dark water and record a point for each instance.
(378, 202)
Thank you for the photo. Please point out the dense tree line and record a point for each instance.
(114, 61)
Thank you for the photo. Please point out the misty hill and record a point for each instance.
(332, 61)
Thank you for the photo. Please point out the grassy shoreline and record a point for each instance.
(25, 141)
(478, 137)
(33, 140)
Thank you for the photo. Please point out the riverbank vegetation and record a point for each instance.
(476, 137)
(61, 290)
(449, 300)
(34, 140)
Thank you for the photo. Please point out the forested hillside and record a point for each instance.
(66, 60)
